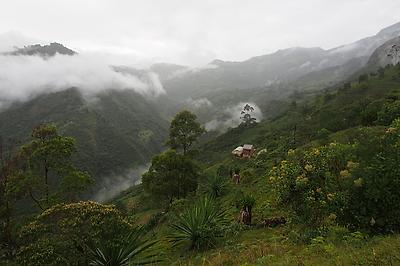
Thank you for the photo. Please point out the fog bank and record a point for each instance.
(25, 77)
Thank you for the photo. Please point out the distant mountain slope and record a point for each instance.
(283, 66)
(119, 130)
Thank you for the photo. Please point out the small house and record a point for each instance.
(248, 150)
(245, 151)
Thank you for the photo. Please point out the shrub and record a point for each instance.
(132, 250)
(199, 225)
(309, 182)
(354, 185)
(389, 112)
(61, 234)
(214, 186)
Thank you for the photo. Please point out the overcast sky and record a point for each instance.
(196, 31)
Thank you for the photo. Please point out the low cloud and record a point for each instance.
(230, 117)
(25, 77)
(112, 186)
(198, 103)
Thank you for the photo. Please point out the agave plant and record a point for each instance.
(214, 186)
(199, 225)
(133, 251)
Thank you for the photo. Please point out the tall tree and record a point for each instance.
(49, 175)
(184, 131)
(246, 115)
(8, 169)
(171, 175)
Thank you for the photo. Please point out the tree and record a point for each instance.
(184, 131)
(62, 234)
(171, 175)
(246, 115)
(8, 170)
(49, 175)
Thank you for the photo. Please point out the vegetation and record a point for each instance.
(48, 165)
(199, 225)
(63, 233)
(322, 188)
(184, 131)
(246, 115)
(215, 186)
(171, 175)
(132, 250)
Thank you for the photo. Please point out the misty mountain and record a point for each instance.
(121, 128)
(283, 66)
(385, 54)
(116, 131)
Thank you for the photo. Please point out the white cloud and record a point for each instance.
(24, 77)
(112, 186)
(196, 32)
(231, 117)
(198, 103)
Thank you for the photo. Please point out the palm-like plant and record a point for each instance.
(245, 202)
(199, 225)
(214, 186)
(133, 251)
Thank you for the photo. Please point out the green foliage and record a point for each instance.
(62, 233)
(245, 201)
(198, 226)
(363, 78)
(389, 112)
(323, 134)
(49, 167)
(109, 134)
(375, 196)
(184, 131)
(214, 186)
(133, 249)
(353, 185)
(223, 171)
(310, 182)
(171, 175)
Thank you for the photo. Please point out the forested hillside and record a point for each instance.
(114, 133)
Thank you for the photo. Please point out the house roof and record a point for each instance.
(240, 148)
(247, 147)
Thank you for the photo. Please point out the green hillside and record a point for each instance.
(113, 133)
(353, 115)
(322, 186)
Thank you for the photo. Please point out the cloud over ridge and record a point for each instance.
(25, 77)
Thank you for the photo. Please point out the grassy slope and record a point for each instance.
(339, 111)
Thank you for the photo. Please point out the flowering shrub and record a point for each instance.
(349, 184)
(311, 181)
(61, 234)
